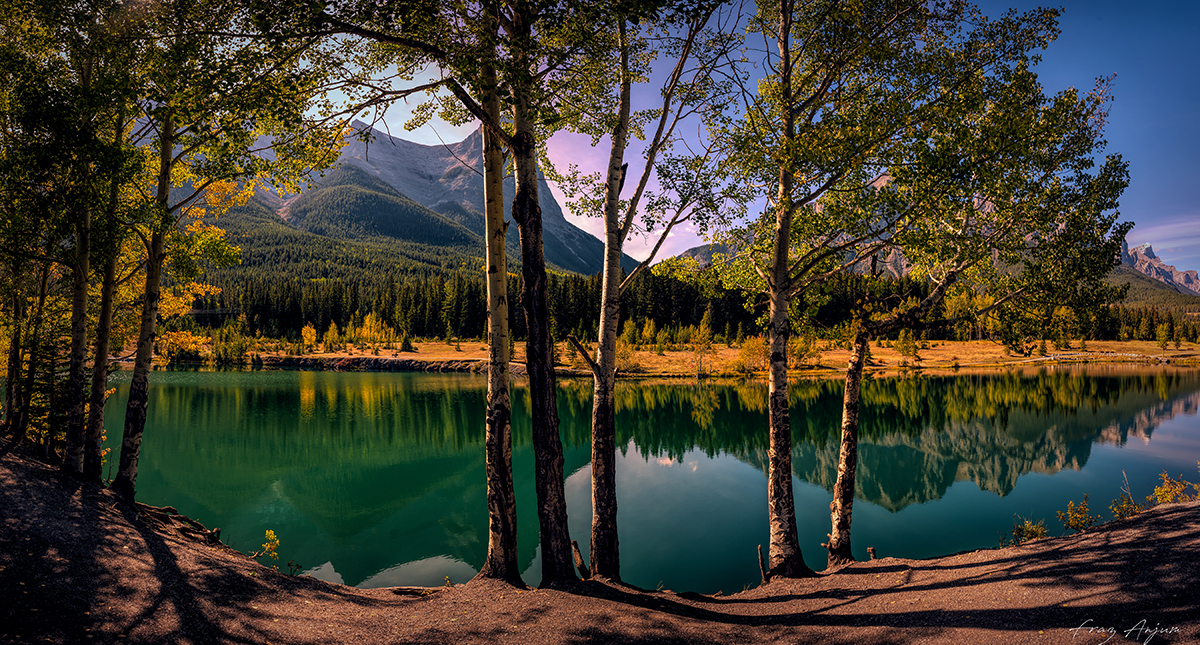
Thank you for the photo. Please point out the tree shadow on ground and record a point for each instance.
(47, 585)
(1118, 575)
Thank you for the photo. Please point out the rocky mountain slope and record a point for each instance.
(1145, 261)
(448, 180)
(1152, 282)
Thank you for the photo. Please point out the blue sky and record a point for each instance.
(1152, 48)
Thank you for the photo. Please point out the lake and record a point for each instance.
(377, 479)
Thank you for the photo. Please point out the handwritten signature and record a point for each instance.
(1136, 633)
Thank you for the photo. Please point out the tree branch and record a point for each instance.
(584, 353)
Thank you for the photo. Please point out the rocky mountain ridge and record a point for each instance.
(1140, 258)
(448, 180)
(1143, 259)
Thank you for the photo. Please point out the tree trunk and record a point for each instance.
(501, 559)
(125, 482)
(14, 360)
(92, 456)
(34, 338)
(843, 490)
(786, 560)
(605, 549)
(547, 445)
(139, 387)
(76, 387)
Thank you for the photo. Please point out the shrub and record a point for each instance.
(802, 348)
(1124, 506)
(626, 359)
(754, 354)
(178, 346)
(1077, 518)
(906, 345)
(1172, 490)
(663, 338)
(1024, 530)
(269, 548)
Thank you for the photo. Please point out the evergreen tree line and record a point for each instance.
(454, 305)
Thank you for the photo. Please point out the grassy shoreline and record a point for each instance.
(724, 361)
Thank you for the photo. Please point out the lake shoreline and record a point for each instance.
(78, 566)
(941, 358)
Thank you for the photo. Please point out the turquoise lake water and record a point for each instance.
(377, 479)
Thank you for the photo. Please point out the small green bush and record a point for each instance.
(1172, 490)
(1124, 506)
(1024, 530)
(1077, 518)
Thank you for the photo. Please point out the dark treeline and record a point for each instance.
(1144, 323)
(454, 305)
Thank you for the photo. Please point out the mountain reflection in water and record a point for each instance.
(377, 479)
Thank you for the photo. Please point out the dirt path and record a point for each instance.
(77, 567)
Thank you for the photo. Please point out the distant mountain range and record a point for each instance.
(1151, 281)
(430, 197)
(1143, 259)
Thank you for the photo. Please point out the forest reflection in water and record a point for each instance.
(377, 479)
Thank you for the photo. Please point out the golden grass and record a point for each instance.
(722, 360)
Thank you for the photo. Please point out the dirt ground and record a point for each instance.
(76, 566)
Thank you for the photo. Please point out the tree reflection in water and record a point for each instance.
(380, 472)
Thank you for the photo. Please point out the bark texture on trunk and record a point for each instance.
(547, 445)
(786, 560)
(842, 505)
(605, 547)
(92, 456)
(76, 368)
(501, 561)
(125, 482)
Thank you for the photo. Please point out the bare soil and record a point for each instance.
(77, 566)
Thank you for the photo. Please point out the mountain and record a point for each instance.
(272, 248)
(894, 265)
(1151, 282)
(351, 204)
(1145, 291)
(1143, 259)
(448, 179)
(703, 254)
